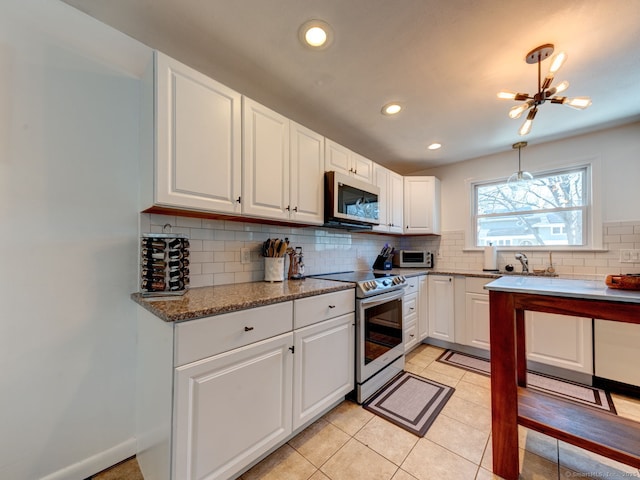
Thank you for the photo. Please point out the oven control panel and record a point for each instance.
(381, 285)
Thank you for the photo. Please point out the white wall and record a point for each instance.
(616, 148)
(69, 95)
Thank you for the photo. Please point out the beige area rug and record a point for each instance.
(575, 392)
(410, 401)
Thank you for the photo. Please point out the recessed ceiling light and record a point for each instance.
(391, 108)
(316, 34)
(434, 146)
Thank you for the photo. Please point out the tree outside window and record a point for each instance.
(549, 210)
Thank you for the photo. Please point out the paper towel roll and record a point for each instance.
(490, 258)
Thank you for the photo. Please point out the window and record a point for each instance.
(550, 210)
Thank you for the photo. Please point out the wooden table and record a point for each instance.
(512, 403)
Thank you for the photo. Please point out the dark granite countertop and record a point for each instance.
(206, 301)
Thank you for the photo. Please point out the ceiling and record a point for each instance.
(443, 60)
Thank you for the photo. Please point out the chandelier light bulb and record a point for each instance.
(518, 110)
(506, 95)
(557, 62)
(579, 103)
(526, 127)
(562, 86)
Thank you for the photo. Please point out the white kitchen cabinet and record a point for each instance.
(231, 408)
(617, 352)
(265, 179)
(390, 205)
(306, 175)
(559, 340)
(422, 205)
(323, 371)
(441, 307)
(195, 162)
(423, 307)
(476, 319)
(410, 310)
(217, 393)
(341, 159)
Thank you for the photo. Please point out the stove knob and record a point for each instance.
(372, 285)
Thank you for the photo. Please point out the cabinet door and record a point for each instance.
(441, 307)
(231, 408)
(381, 180)
(617, 355)
(396, 202)
(421, 205)
(477, 320)
(423, 308)
(307, 175)
(324, 367)
(198, 139)
(560, 340)
(336, 158)
(265, 187)
(361, 168)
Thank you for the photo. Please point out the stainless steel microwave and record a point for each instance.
(413, 258)
(349, 202)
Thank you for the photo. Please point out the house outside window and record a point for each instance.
(552, 210)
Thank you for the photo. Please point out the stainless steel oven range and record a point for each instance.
(379, 328)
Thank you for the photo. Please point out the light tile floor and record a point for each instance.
(350, 443)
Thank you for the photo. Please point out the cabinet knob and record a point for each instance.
(332, 306)
(248, 329)
(412, 335)
(288, 209)
(238, 199)
(295, 209)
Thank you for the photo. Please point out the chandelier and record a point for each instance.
(545, 90)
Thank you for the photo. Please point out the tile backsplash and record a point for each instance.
(216, 249)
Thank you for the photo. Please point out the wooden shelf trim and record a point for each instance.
(600, 432)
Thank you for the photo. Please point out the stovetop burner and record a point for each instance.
(368, 283)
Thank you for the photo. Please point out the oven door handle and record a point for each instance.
(382, 298)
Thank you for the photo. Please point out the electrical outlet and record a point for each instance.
(245, 255)
(630, 255)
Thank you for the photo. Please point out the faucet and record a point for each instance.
(524, 261)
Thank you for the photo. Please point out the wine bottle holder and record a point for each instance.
(164, 264)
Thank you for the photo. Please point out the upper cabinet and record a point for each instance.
(307, 175)
(196, 159)
(390, 205)
(422, 205)
(341, 159)
(265, 186)
(283, 167)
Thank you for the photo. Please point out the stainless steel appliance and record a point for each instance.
(350, 203)
(379, 328)
(413, 258)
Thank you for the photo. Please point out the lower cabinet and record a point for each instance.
(323, 370)
(476, 329)
(617, 355)
(415, 312)
(441, 307)
(218, 393)
(232, 407)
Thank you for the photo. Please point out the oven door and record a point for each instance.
(380, 333)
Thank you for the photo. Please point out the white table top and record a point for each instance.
(563, 287)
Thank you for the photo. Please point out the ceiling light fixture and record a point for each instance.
(316, 34)
(545, 90)
(434, 146)
(391, 108)
(519, 177)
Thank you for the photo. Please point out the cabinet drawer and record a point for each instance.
(410, 304)
(410, 335)
(476, 284)
(310, 310)
(204, 337)
(412, 285)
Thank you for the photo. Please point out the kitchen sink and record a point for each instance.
(530, 274)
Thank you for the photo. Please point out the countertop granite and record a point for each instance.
(206, 301)
(563, 287)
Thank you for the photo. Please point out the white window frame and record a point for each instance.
(593, 217)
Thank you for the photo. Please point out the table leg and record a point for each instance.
(504, 393)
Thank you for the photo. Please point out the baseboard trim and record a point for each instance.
(96, 463)
(617, 387)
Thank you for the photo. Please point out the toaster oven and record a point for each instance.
(413, 258)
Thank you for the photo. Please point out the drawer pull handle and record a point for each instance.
(332, 306)
(248, 329)
(411, 308)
